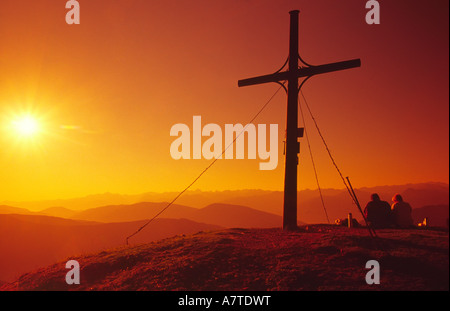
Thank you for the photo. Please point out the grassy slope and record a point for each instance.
(315, 258)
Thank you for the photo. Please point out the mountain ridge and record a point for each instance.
(198, 198)
(225, 215)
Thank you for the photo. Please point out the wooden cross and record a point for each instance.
(292, 75)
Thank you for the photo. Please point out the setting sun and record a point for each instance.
(26, 126)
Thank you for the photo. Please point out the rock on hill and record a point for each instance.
(314, 258)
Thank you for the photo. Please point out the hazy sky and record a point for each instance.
(107, 92)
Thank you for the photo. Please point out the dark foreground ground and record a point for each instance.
(318, 257)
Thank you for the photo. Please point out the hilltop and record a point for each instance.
(319, 257)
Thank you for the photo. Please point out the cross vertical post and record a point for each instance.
(291, 159)
(292, 75)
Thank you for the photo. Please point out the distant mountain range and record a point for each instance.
(338, 202)
(58, 212)
(5, 209)
(219, 214)
(225, 215)
(418, 195)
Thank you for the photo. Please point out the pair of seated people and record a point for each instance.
(380, 214)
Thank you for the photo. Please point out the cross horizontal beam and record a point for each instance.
(301, 72)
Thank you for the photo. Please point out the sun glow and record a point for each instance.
(25, 126)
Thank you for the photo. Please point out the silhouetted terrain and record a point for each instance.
(418, 195)
(315, 258)
(133, 212)
(310, 210)
(338, 202)
(58, 212)
(4, 209)
(29, 241)
(225, 215)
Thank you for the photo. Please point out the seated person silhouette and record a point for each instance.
(378, 213)
(401, 212)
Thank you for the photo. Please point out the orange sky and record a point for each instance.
(108, 91)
